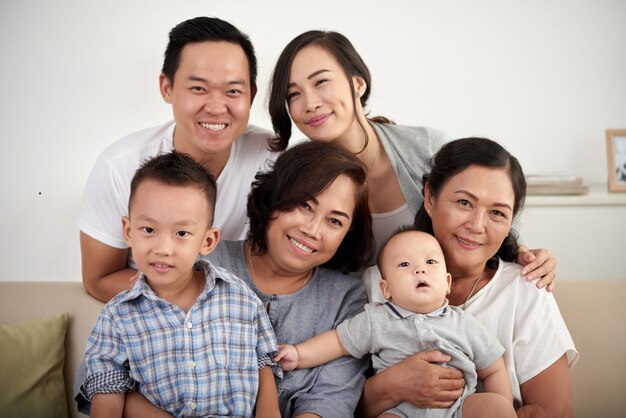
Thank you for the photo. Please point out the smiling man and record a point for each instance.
(209, 78)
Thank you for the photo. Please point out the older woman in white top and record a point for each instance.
(471, 197)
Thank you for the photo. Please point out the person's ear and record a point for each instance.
(360, 86)
(253, 91)
(210, 240)
(126, 230)
(384, 287)
(449, 279)
(429, 199)
(165, 87)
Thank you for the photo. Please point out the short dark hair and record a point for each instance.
(176, 169)
(202, 29)
(300, 174)
(346, 55)
(458, 155)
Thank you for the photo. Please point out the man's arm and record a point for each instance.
(104, 268)
(415, 380)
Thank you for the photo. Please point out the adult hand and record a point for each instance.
(538, 264)
(423, 383)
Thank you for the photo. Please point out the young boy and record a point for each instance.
(416, 317)
(192, 338)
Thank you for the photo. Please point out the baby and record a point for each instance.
(416, 317)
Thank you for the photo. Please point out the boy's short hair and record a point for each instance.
(176, 169)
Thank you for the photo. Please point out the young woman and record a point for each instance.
(473, 193)
(322, 84)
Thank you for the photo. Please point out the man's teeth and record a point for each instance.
(214, 126)
(301, 246)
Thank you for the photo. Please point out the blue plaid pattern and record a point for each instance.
(204, 362)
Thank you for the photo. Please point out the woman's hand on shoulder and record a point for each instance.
(538, 264)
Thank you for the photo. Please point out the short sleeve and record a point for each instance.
(105, 201)
(267, 345)
(355, 334)
(543, 337)
(106, 360)
(485, 347)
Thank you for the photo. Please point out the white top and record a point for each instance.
(526, 320)
(106, 194)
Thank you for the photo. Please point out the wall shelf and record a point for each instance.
(598, 196)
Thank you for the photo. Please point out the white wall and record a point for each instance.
(545, 78)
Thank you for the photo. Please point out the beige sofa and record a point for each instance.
(594, 311)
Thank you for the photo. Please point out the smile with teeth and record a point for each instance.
(301, 245)
(161, 266)
(214, 126)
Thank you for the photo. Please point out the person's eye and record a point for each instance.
(320, 82)
(306, 206)
(499, 214)
(197, 89)
(463, 202)
(432, 261)
(404, 264)
(233, 92)
(292, 95)
(335, 222)
(147, 230)
(182, 234)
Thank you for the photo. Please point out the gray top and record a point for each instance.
(409, 149)
(391, 334)
(331, 390)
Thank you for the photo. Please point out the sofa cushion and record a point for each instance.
(33, 355)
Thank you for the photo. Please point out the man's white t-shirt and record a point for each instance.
(106, 194)
(526, 321)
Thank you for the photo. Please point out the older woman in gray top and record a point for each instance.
(309, 220)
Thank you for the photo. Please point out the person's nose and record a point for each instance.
(476, 221)
(215, 104)
(312, 102)
(164, 246)
(312, 226)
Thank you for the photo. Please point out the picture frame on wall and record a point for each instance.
(616, 159)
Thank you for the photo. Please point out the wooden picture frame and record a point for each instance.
(616, 159)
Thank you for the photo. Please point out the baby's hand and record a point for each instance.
(287, 357)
